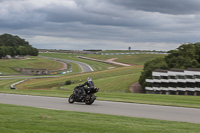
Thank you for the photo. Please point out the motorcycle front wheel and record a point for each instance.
(71, 99)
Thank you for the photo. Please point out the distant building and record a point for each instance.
(7, 57)
(14, 57)
(175, 82)
(93, 50)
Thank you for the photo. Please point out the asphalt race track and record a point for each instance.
(191, 115)
(84, 67)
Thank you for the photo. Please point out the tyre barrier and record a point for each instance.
(12, 86)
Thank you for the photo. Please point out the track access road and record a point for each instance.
(106, 107)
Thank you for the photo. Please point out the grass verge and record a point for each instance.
(97, 66)
(136, 59)
(30, 62)
(20, 119)
(105, 79)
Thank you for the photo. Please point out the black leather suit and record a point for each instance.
(90, 85)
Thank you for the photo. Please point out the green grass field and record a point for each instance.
(97, 66)
(123, 51)
(30, 62)
(136, 59)
(112, 83)
(107, 79)
(20, 119)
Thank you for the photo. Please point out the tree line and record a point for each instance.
(14, 45)
(185, 56)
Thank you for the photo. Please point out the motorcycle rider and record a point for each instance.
(90, 85)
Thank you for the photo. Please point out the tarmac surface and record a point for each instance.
(170, 113)
(84, 67)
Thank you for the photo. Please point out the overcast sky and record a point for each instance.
(102, 24)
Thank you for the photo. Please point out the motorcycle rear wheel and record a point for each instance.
(71, 99)
(90, 100)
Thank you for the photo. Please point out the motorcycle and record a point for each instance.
(78, 96)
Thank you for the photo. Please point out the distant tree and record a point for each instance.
(21, 50)
(2, 52)
(1, 43)
(14, 45)
(149, 66)
(197, 51)
(183, 57)
(6, 50)
(12, 51)
(32, 51)
(35, 52)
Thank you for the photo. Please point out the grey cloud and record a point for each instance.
(62, 14)
(100, 23)
(162, 6)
